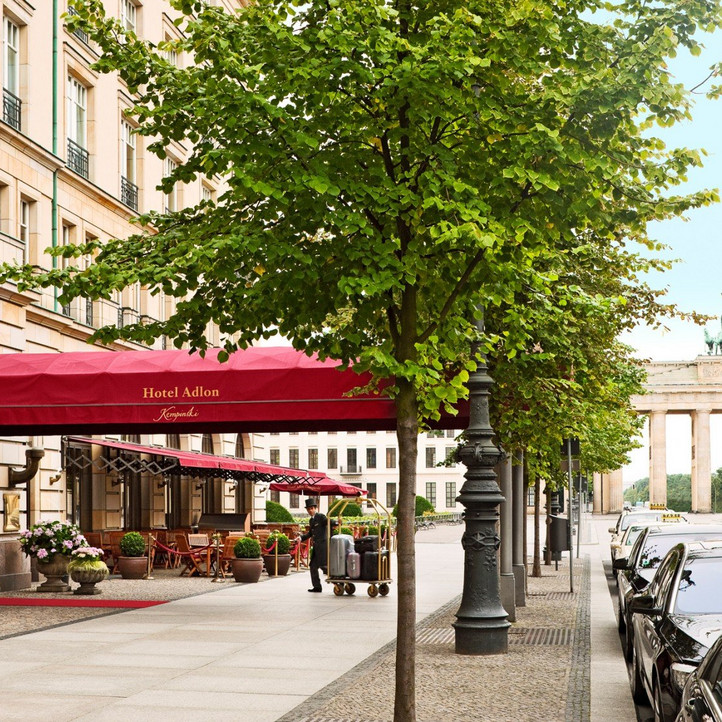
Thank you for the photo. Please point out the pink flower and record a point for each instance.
(42, 553)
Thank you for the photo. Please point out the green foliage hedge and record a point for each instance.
(278, 514)
(132, 544)
(422, 505)
(247, 548)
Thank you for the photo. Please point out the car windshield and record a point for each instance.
(632, 535)
(699, 588)
(630, 519)
(657, 545)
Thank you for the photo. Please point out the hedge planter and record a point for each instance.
(132, 567)
(247, 570)
(284, 564)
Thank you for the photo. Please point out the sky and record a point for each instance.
(695, 283)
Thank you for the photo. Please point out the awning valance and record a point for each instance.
(259, 389)
(167, 461)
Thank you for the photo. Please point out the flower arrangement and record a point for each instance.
(46, 538)
(85, 554)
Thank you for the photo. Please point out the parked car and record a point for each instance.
(635, 516)
(636, 571)
(621, 549)
(702, 694)
(676, 620)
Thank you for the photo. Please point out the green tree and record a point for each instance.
(393, 167)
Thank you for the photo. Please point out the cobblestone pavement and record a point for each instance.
(544, 678)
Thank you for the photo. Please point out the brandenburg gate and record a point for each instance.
(672, 387)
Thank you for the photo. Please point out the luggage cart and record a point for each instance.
(380, 579)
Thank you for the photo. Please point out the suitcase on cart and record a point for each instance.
(340, 546)
(368, 543)
(370, 565)
(353, 565)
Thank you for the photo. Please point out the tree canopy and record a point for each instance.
(392, 168)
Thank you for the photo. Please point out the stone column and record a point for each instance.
(519, 526)
(616, 492)
(506, 580)
(701, 463)
(598, 494)
(658, 457)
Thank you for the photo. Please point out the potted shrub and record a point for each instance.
(133, 564)
(248, 564)
(278, 560)
(87, 568)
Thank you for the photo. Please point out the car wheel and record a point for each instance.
(628, 641)
(638, 693)
(620, 623)
(657, 707)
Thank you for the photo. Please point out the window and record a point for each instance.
(431, 493)
(390, 457)
(24, 224)
(390, 495)
(370, 458)
(293, 501)
(128, 187)
(450, 494)
(276, 497)
(171, 199)
(435, 434)
(332, 458)
(430, 457)
(371, 490)
(450, 453)
(11, 73)
(77, 119)
(313, 458)
(275, 456)
(293, 458)
(128, 16)
(207, 196)
(170, 53)
(351, 461)
(450, 434)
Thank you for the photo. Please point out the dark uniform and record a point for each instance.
(317, 532)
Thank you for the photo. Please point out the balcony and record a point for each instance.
(80, 34)
(127, 316)
(81, 310)
(11, 109)
(349, 470)
(78, 159)
(128, 193)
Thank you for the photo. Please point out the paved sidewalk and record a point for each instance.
(271, 651)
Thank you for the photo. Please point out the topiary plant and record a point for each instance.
(247, 548)
(132, 544)
(352, 509)
(422, 505)
(278, 514)
(284, 543)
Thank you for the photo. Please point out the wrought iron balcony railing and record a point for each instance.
(11, 109)
(80, 34)
(128, 193)
(78, 159)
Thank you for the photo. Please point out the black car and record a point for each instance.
(702, 695)
(675, 622)
(636, 571)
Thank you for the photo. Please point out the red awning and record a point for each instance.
(258, 389)
(193, 464)
(317, 487)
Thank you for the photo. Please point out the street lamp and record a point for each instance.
(481, 621)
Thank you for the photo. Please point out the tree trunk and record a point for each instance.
(536, 567)
(407, 430)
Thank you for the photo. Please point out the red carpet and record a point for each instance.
(76, 602)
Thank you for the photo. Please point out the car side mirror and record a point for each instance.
(644, 604)
(619, 564)
(612, 530)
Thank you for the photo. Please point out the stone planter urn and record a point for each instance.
(284, 564)
(247, 570)
(88, 574)
(53, 569)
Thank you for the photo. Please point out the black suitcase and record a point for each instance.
(370, 566)
(368, 543)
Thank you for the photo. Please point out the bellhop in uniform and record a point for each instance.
(317, 533)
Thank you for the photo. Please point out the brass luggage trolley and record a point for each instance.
(379, 585)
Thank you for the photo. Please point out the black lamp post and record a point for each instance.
(481, 621)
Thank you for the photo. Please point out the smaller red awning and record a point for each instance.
(318, 487)
(197, 464)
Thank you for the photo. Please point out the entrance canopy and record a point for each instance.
(258, 389)
(188, 463)
(317, 487)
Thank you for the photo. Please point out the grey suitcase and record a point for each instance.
(341, 545)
